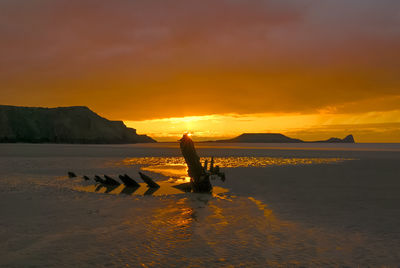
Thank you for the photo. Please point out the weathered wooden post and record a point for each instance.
(128, 181)
(205, 165)
(71, 174)
(98, 179)
(200, 180)
(212, 165)
(110, 181)
(149, 181)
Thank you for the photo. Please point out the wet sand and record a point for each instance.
(281, 207)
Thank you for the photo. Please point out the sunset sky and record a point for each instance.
(311, 69)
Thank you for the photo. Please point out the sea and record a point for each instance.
(280, 205)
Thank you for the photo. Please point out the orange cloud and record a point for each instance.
(138, 60)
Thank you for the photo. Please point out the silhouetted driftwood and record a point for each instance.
(109, 188)
(151, 191)
(222, 176)
(216, 171)
(99, 179)
(205, 165)
(149, 181)
(212, 165)
(128, 181)
(129, 190)
(110, 181)
(71, 174)
(98, 187)
(184, 187)
(200, 180)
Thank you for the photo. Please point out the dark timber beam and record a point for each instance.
(200, 180)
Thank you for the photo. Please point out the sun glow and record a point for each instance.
(367, 127)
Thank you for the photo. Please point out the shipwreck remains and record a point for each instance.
(99, 179)
(198, 173)
(110, 181)
(128, 181)
(149, 181)
(199, 177)
(71, 174)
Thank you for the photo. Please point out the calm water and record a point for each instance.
(314, 205)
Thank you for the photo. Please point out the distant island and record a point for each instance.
(76, 124)
(280, 138)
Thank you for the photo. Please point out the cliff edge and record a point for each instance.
(76, 124)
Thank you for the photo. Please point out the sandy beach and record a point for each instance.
(310, 206)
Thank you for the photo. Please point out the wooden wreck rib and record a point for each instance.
(98, 179)
(110, 181)
(128, 181)
(199, 178)
(199, 175)
(129, 190)
(148, 181)
(71, 174)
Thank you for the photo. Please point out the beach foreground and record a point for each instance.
(313, 206)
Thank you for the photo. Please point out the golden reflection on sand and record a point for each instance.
(166, 188)
(244, 221)
(176, 164)
(168, 170)
(175, 169)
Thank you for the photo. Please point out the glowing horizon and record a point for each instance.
(366, 127)
(285, 66)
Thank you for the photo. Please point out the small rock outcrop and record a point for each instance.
(280, 138)
(349, 139)
(261, 138)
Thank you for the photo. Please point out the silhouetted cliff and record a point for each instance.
(279, 138)
(75, 124)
